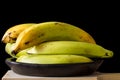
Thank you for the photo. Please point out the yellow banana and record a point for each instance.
(71, 48)
(53, 59)
(50, 31)
(12, 33)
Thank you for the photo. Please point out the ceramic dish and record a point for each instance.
(54, 70)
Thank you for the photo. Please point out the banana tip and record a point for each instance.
(108, 54)
(14, 52)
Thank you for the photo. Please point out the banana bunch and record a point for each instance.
(52, 43)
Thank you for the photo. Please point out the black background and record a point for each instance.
(102, 24)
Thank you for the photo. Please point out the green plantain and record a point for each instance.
(9, 48)
(53, 59)
(50, 31)
(71, 47)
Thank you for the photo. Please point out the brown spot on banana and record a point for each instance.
(42, 34)
(106, 54)
(27, 42)
(58, 23)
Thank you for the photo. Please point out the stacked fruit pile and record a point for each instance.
(52, 43)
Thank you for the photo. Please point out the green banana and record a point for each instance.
(22, 52)
(12, 33)
(71, 47)
(53, 59)
(8, 49)
(50, 31)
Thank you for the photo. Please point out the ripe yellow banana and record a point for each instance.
(12, 33)
(53, 59)
(71, 47)
(50, 31)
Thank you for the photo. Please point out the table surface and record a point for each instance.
(10, 75)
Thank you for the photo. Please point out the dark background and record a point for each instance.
(103, 25)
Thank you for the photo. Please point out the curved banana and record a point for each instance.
(12, 33)
(53, 59)
(50, 31)
(71, 48)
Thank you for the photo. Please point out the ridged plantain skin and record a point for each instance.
(12, 33)
(71, 48)
(53, 59)
(50, 31)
